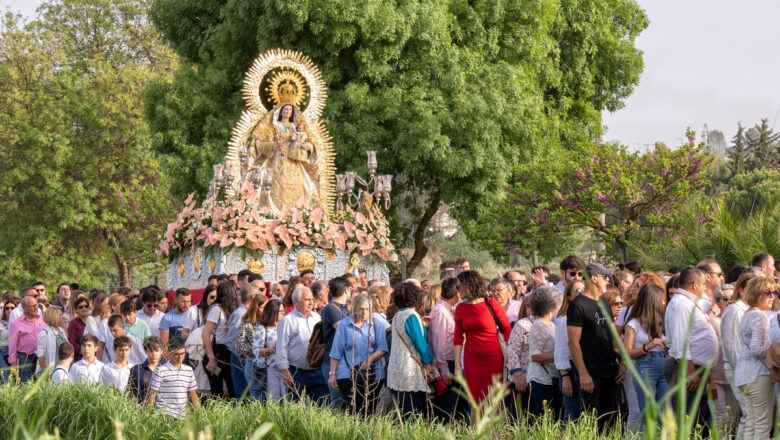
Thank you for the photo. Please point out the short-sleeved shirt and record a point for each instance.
(172, 386)
(352, 345)
(139, 329)
(153, 322)
(82, 372)
(115, 377)
(596, 340)
(140, 379)
(174, 322)
(59, 376)
(217, 317)
(331, 315)
(642, 337)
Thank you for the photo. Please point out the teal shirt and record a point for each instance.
(419, 335)
(140, 329)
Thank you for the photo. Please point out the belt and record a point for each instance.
(696, 366)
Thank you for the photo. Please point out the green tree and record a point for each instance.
(737, 153)
(752, 191)
(761, 145)
(452, 95)
(637, 194)
(82, 189)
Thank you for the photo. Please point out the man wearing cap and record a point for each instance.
(592, 347)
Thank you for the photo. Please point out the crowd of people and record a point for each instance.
(366, 347)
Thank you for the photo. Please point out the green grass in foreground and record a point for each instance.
(41, 410)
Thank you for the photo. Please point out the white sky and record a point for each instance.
(706, 62)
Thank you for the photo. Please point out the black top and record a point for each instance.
(139, 382)
(331, 315)
(596, 340)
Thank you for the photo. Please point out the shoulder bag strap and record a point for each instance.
(495, 319)
(414, 355)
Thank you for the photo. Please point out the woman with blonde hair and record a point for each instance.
(50, 337)
(429, 300)
(355, 369)
(100, 311)
(752, 374)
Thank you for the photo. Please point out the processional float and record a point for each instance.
(275, 204)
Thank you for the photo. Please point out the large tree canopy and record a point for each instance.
(81, 190)
(452, 94)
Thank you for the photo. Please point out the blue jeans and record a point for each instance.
(4, 367)
(335, 394)
(651, 369)
(237, 374)
(255, 378)
(27, 364)
(544, 397)
(571, 405)
(310, 383)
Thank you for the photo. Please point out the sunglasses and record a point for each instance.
(152, 306)
(617, 303)
(83, 306)
(725, 298)
(772, 293)
(261, 290)
(575, 274)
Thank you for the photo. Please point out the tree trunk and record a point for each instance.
(125, 273)
(624, 247)
(420, 249)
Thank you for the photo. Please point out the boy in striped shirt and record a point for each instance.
(173, 382)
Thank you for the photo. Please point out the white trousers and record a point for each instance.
(760, 398)
(729, 373)
(274, 385)
(633, 403)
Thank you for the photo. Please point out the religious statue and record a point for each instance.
(280, 145)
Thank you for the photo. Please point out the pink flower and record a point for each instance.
(316, 216)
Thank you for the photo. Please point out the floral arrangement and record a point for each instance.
(235, 222)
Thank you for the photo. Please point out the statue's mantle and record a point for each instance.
(192, 269)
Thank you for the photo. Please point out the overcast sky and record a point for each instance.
(706, 62)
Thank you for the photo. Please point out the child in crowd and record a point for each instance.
(173, 382)
(141, 375)
(59, 375)
(133, 325)
(116, 373)
(116, 326)
(87, 370)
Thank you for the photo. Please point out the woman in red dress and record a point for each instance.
(483, 359)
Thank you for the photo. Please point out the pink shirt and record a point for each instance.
(441, 332)
(23, 337)
(512, 310)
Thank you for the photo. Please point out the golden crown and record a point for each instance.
(287, 87)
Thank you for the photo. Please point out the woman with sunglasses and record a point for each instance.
(569, 387)
(4, 332)
(751, 374)
(78, 325)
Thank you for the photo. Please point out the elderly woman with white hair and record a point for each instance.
(355, 358)
(542, 375)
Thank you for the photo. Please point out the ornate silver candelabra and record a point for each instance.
(345, 185)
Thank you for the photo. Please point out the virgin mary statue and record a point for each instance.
(282, 146)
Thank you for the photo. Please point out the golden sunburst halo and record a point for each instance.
(287, 87)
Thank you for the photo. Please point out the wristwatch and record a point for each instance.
(332, 373)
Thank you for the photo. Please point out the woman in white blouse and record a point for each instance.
(567, 377)
(542, 375)
(50, 338)
(751, 374)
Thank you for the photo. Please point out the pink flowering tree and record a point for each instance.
(640, 196)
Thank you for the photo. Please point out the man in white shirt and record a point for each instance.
(714, 278)
(701, 340)
(88, 369)
(115, 374)
(150, 313)
(293, 334)
(441, 334)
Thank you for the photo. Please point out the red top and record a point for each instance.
(482, 357)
